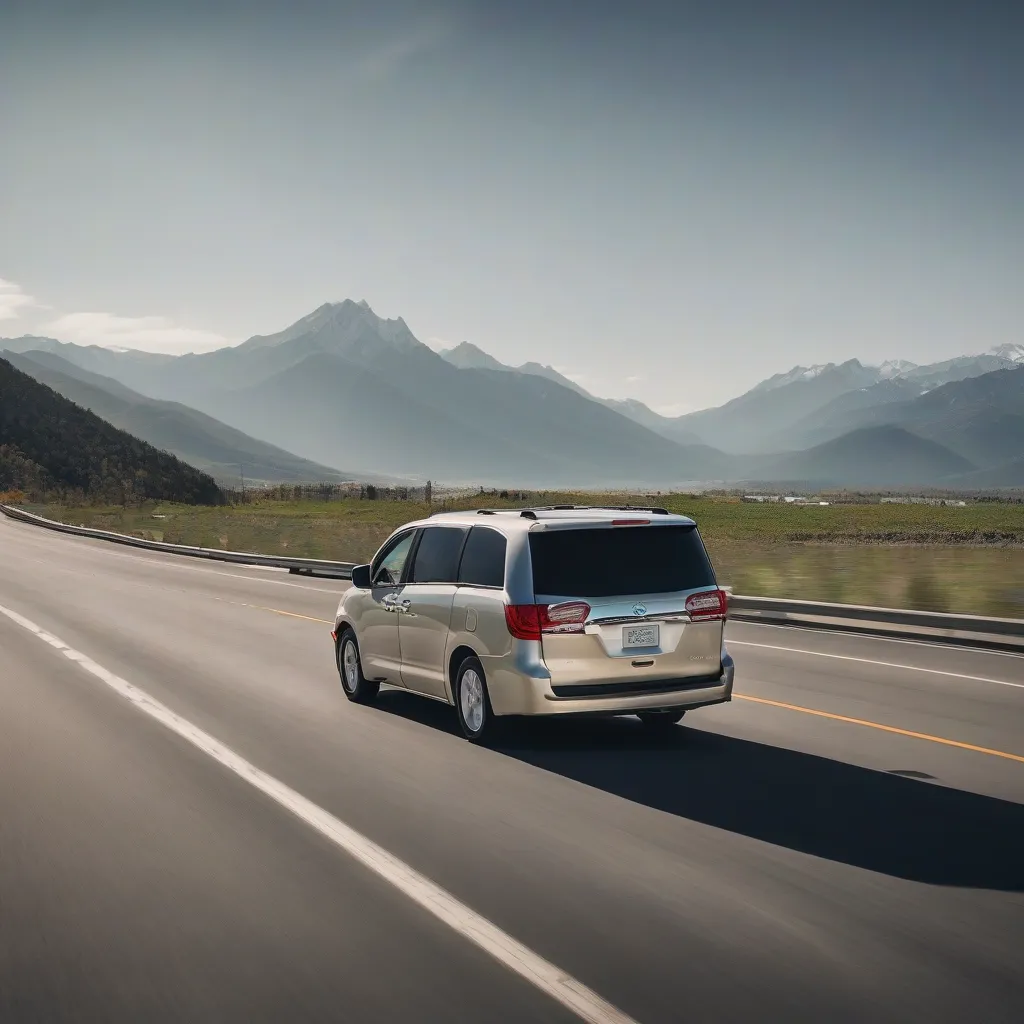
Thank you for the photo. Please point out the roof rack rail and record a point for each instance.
(558, 508)
(654, 510)
(531, 513)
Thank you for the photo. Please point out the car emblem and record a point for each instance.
(639, 609)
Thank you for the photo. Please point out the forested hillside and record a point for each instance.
(50, 448)
(198, 439)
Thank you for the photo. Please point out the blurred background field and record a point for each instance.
(963, 558)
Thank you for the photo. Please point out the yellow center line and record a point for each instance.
(276, 611)
(757, 700)
(883, 728)
(291, 615)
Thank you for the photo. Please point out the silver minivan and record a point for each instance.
(543, 611)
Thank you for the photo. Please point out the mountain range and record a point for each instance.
(796, 410)
(344, 387)
(468, 357)
(225, 453)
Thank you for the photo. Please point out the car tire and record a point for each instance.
(357, 687)
(661, 720)
(472, 704)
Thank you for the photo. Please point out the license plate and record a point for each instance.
(640, 636)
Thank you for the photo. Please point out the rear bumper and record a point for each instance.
(520, 685)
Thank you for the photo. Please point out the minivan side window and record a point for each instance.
(483, 560)
(437, 555)
(387, 572)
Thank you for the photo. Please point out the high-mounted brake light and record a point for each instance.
(631, 522)
(712, 604)
(532, 621)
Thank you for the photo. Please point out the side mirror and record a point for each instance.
(361, 577)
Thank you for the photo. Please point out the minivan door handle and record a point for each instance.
(390, 603)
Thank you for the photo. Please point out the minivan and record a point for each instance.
(540, 611)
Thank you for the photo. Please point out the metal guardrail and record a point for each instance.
(933, 627)
(895, 623)
(304, 566)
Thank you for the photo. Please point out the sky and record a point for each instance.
(665, 200)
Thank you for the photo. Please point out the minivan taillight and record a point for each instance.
(712, 604)
(531, 621)
(523, 621)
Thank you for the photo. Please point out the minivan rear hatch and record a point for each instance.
(631, 602)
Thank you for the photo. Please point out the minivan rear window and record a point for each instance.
(609, 561)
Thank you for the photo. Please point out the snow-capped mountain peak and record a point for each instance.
(895, 368)
(1014, 353)
(796, 374)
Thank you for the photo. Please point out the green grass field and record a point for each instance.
(968, 559)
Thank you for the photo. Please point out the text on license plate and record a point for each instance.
(640, 636)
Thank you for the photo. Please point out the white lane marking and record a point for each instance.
(870, 661)
(540, 973)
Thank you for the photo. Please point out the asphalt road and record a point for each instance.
(762, 863)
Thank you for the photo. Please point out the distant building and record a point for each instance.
(917, 500)
(791, 499)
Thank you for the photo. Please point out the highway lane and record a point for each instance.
(137, 884)
(762, 863)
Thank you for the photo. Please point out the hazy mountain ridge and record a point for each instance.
(885, 456)
(981, 418)
(759, 420)
(204, 442)
(798, 373)
(468, 356)
(1008, 474)
(374, 395)
(812, 405)
(342, 385)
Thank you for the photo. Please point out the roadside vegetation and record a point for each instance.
(966, 558)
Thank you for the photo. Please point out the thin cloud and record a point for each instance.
(146, 333)
(384, 61)
(13, 299)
